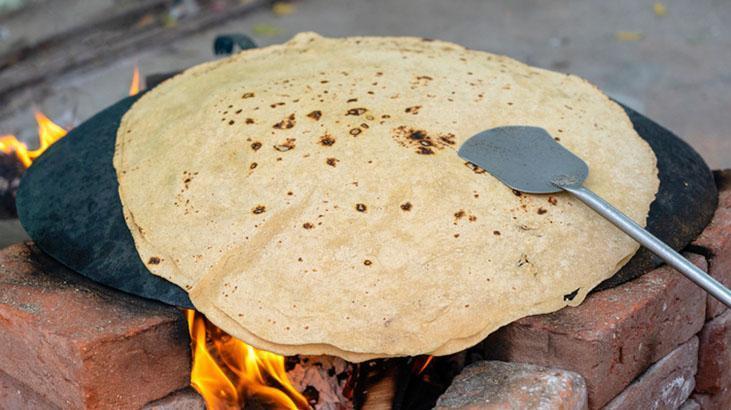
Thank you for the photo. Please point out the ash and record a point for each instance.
(323, 380)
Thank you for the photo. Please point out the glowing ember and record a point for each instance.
(423, 367)
(134, 86)
(228, 373)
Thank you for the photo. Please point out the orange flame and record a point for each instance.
(48, 133)
(134, 86)
(423, 367)
(228, 373)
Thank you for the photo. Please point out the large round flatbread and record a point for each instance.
(310, 198)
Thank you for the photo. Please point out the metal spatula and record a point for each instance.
(529, 160)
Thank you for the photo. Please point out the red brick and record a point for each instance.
(719, 401)
(667, 384)
(719, 268)
(613, 336)
(714, 356)
(186, 399)
(716, 239)
(15, 395)
(500, 385)
(81, 345)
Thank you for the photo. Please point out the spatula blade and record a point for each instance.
(524, 158)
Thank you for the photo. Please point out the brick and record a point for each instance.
(500, 385)
(185, 399)
(718, 232)
(82, 345)
(716, 240)
(719, 268)
(16, 395)
(613, 336)
(718, 401)
(667, 384)
(714, 355)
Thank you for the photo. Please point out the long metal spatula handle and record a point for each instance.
(650, 242)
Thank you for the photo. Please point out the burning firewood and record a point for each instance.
(381, 385)
(15, 157)
(325, 381)
(228, 373)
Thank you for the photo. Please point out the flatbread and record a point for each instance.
(310, 198)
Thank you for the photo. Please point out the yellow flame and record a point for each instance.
(227, 372)
(134, 86)
(48, 133)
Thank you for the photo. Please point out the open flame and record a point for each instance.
(48, 132)
(228, 373)
(134, 86)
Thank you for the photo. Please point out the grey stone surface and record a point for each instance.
(185, 399)
(504, 385)
(677, 72)
(690, 404)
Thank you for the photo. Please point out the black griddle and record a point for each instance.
(69, 204)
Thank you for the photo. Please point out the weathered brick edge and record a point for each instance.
(715, 241)
(80, 345)
(614, 336)
(16, 395)
(713, 381)
(667, 384)
(618, 339)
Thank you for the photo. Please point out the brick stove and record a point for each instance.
(655, 342)
(80, 345)
(70, 343)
